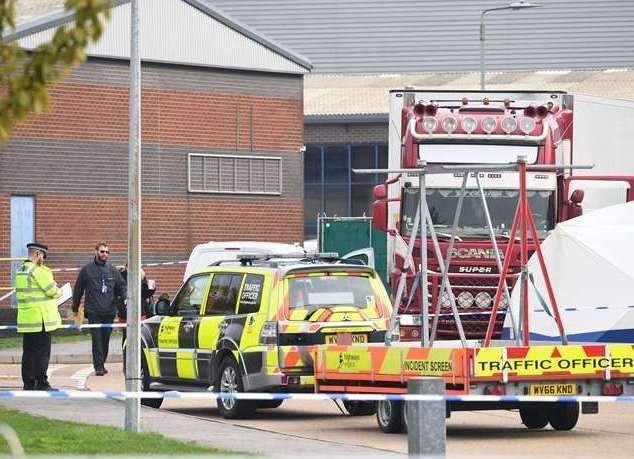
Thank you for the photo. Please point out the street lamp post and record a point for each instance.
(511, 6)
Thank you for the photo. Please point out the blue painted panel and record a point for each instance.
(22, 227)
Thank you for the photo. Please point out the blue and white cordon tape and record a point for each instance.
(78, 394)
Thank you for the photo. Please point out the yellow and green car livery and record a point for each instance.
(252, 326)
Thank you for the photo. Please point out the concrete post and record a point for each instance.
(133, 352)
(426, 430)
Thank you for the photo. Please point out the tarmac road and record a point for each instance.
(469, 434)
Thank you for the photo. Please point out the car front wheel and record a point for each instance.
(145, 381)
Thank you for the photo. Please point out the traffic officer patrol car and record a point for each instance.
(250, 325)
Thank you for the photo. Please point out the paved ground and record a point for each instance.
(186, 427)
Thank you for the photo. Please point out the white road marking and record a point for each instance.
(53, 368)
(80, 377)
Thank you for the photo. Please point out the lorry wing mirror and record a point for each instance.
(577, 196)
(380, 192)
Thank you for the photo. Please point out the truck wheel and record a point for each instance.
(145, 385)
(359, 408)
(564, 415)
(389, 416)
(534, 415)
(231, 382)
(265, 404)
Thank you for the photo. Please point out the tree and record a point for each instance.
(26, 76)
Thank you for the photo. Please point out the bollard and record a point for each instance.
(426, 431)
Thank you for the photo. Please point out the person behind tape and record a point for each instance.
(36, 293)
(102, 283)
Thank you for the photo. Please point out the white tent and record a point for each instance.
(590, 260)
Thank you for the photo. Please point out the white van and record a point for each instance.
(211, 252)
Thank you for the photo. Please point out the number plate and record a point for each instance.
(548, 390)
(346, 339)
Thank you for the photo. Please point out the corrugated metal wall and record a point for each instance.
(388, 36)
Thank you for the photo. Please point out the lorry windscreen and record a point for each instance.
(502, 203)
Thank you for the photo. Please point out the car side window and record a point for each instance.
(190, 296)
(223, 294)
(251, 294)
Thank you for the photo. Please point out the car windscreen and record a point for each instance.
(328, 290)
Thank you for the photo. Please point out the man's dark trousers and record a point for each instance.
(36, 353)
(100, 339)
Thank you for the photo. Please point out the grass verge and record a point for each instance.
(41, 436)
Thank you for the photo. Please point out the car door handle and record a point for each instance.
(251, 320)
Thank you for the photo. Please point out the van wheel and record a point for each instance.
(534, 415)
(145, 384)
(230, 381)
(265, 404)
(389, 416)
(564, 415)
(359, 408)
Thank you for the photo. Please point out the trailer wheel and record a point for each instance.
(534, 415)
(564, 415)
(359, 408)
(389, 416)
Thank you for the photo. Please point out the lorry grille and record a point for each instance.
(474, 297)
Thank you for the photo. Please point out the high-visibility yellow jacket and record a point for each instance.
(36, 292)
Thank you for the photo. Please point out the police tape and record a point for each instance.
(4, 297)
(146, 265)
(78, 394)
(73, 326)
(504, 311)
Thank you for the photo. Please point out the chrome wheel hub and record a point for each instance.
(228, 384)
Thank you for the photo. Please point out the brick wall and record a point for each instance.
(73, 158)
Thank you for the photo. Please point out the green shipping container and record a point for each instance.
(347, 234)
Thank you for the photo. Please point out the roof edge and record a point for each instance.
(59, 18)
(248, 32)
(46, 22)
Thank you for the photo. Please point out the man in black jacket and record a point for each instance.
(101, 282)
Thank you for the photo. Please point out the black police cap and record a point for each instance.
(37, 246)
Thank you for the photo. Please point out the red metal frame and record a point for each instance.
(524, 219)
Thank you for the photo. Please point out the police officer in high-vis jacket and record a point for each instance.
(37, 294)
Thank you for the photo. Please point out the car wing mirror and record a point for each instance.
(163, 307)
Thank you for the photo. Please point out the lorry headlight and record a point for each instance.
(469, 124)
(527, 125)
(449, 124)
(483, 300)
(508, 124)
(465, 299)
(430, 124)
(489, 124)
(445, 301)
